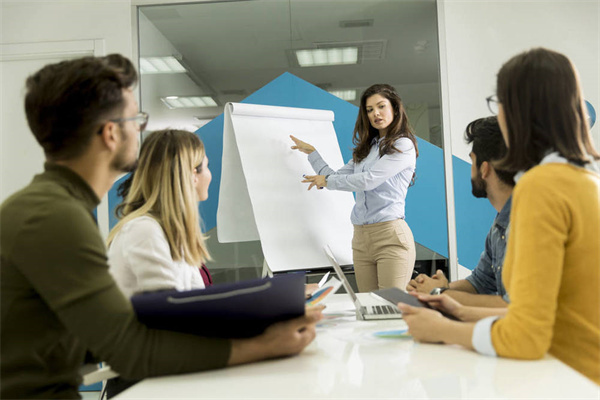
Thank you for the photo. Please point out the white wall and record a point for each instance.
(481, 35)
(49, 24)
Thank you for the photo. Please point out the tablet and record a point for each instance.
(395, 296)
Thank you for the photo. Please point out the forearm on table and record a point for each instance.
(462, 285)
(473, 314)
(460, 333)
(477, 300)
(247, 350)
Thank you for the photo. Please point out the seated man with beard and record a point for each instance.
(483, 288)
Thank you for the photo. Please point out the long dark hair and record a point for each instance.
(544, 110)
(364, 133)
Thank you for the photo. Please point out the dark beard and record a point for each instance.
(479, 188)
(121, 165)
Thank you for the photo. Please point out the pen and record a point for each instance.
(324, 279)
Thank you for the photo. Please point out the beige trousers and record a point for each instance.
(384, 255)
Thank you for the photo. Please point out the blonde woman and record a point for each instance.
(158, 243)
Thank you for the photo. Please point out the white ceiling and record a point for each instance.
(235, 48)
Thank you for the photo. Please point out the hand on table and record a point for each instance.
(281, 339)
(424, 284)
(424, 324)
(443, 303)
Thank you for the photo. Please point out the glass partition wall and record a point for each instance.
(196, 57)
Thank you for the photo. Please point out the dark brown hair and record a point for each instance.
(488, 145)
(364, 133)
(544, 110)
(67, 102)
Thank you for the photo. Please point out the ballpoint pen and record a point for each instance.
(324, 279)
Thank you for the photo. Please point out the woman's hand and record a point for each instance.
(315, 180)
(309, 289)
(424, 324)
(301, 146)
(443, 303)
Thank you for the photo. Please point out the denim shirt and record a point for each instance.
(486, 278)
(380, 183)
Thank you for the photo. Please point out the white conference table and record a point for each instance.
(346, 360)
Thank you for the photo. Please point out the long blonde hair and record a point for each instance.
(162, 187)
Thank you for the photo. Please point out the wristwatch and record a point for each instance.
(438, 290)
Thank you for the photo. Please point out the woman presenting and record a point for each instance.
(380, 172)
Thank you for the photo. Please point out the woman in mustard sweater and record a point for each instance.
(552, 265)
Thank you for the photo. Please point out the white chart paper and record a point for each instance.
(262, 197)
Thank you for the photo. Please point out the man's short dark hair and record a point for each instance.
(488, 145)
(68, 102)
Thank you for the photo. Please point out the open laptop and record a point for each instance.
(367, 313)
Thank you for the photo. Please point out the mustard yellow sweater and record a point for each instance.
(552, 269)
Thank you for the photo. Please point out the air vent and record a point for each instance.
(356, 23)
(367, 49)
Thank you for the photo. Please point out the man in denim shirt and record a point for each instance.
(483, 288)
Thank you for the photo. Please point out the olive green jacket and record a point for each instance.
(58, 299)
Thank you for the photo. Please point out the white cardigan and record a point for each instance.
(140, 260)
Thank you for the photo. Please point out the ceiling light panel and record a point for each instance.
(160, 65)
(324, 57)
(188, 101)
(348, 95)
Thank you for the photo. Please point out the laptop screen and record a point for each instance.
(340, 273)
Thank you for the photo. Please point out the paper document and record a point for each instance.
(325, 291)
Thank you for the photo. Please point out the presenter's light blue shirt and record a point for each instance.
(380, 183)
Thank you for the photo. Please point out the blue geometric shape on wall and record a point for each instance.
(591, 111)
(474, 216)
(113, 201)
(426, 200)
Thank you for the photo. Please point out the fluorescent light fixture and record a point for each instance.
(348, 95)
(160, 65)
(188, 101)
(329, 56)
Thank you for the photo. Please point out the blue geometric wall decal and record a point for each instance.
(474, 216)
(113, 201)
(426, 200)
(591, 111)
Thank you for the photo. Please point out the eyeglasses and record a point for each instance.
(492, 103)
(141, 120)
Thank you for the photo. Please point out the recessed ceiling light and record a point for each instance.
(348, 95)
(330, 56)
(160, 65)
(188, 101)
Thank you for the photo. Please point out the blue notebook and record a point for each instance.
(231, 310)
